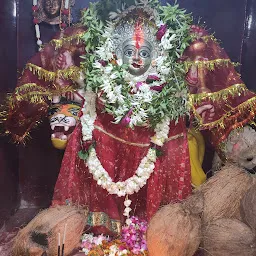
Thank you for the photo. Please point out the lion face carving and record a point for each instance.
(63, 118)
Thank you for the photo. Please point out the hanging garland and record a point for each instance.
(137, 101)
(153, 100)
(144, 170)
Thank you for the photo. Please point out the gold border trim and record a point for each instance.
(69, 73)
(36, 94)
(132, 143)
(58, 43)
(102, 219)
(222, 94)
(210, 37)
(249, 105)
(209, 64)
(206, 39)
(121, 140)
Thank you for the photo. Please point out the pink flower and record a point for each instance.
(87, 245)
(122, 247)
(103, 63)
(127, 119)
(138, 85)
(134, 235)
(161, 31)
(152, 78)
(158, 88)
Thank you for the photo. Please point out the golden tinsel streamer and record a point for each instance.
(248, 107)
(72, 73)
(208, 64)
(210, 38)
(4, 107)
(75, 39)
(236, 89)
(34, 93)
(206, 39)
(26, 136)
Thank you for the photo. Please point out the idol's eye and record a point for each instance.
(144, 54)
(53, 111)
(249, 159)
(74, 111)
(129, 53)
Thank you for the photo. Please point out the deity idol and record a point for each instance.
(49, 11)
(146, 72)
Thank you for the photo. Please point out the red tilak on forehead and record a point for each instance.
(138, 36)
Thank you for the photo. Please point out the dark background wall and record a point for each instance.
(30, 172)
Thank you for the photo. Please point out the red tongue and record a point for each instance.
(58, 134)
(60, 129)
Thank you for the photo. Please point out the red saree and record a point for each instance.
(120, 151)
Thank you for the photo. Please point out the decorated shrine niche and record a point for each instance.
(129, 101)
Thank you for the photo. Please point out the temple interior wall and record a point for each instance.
(29, 173)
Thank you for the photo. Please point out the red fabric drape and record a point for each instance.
(169, 182)
(213, 80)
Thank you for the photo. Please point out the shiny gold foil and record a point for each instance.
(209, 64)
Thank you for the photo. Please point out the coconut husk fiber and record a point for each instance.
(41, 234)
(228, 237)
(223, 193)
(175, 231)
(194, 203)
(248, 208)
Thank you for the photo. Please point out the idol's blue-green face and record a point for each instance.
(138, 58)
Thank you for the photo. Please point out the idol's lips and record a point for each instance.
(136, 65)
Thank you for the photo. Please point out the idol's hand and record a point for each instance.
(64, 60)
(206, 112)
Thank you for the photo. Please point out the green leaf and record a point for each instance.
(83, 155)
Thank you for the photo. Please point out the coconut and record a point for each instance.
(41, 234)
(175, 231)
(228, 237)
(223, 193)
(195, 202)
(248, 207)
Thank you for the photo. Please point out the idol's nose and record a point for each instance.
(136, 56)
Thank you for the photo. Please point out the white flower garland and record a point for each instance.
(144, 170)
(129, 186)
(141, 96)
(89, 115)
(131, 99)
